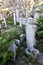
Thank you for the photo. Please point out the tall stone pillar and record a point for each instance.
(5, 22)
(17, 13)
(27, 12)
(1, 16)
(14, 17)
(36, 15)
(29, 36)
(20, 21)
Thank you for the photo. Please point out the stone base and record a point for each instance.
(29, 52)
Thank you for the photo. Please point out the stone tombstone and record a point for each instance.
(3, 25)
(20, 22)
(30, 36)
(5, 22)
(14, 17)
(17, 13)
(13, 48)
(36, 15)
(1, 16)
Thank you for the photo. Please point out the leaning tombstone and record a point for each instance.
(13, 48)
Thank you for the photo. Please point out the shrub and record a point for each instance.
(39, 34)
(7, 38)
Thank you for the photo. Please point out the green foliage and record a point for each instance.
(1, 21)
(7, 38)
(39, 34)
(10, 21)
(0, 33)
(40, 21)
(41, 11)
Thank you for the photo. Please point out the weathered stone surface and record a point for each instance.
(40, 59)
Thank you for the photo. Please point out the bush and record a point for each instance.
(8, 38)
(1, 21)
(10, 21)
(39, 34)
(41, 11)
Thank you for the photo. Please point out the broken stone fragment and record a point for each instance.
(17, 42)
